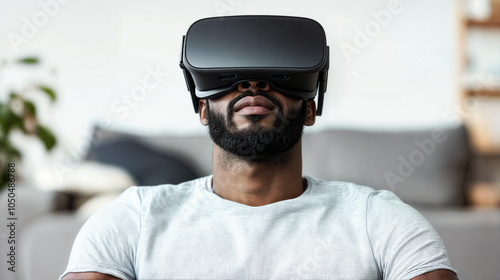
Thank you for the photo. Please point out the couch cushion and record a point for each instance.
(425, 167)
(147, 165)
(195, 151)
(91, 178)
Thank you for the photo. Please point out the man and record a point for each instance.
(257, 216)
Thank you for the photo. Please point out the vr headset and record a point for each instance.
(288, 53)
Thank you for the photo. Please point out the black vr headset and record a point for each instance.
(288, 53)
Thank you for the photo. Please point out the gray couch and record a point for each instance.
(427, 168)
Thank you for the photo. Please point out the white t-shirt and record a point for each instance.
(334, 230)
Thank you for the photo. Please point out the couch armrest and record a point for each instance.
(30, 204)
(471, 237)
(47, 244)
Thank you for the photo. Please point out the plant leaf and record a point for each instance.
(28, 60)
(13, 95)
(50, 92)
(47, 137)
(8, 154)
(30, 107)
(10, 151)
(9, 120)
(4, 118)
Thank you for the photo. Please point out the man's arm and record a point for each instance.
(88, 276)
(440, 274)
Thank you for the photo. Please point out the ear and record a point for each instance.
(311, 113)
(202, 110)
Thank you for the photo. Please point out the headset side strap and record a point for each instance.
(188, 78)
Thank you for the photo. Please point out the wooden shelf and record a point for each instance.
(482, 89)
(483, 93)
(492, 22)
(476, 85)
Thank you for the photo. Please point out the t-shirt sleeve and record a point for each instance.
(404, 244)
(107, 242)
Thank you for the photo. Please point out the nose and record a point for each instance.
(253, 86)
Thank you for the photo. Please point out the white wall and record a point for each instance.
(402, 71)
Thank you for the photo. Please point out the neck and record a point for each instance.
(258, 183)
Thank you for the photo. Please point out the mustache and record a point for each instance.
(259, 92)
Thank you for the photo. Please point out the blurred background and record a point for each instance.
(98, 68)
(415, 65)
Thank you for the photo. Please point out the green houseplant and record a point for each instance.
(19, 113)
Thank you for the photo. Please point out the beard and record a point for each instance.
(257, 143)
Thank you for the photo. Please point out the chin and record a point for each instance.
(254, 118)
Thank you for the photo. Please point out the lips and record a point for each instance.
(254, 104)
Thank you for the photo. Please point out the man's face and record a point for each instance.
(256, 123)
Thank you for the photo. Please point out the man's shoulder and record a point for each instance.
(195, 183)
(351, 192)
(340, 186)
(164, 191)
